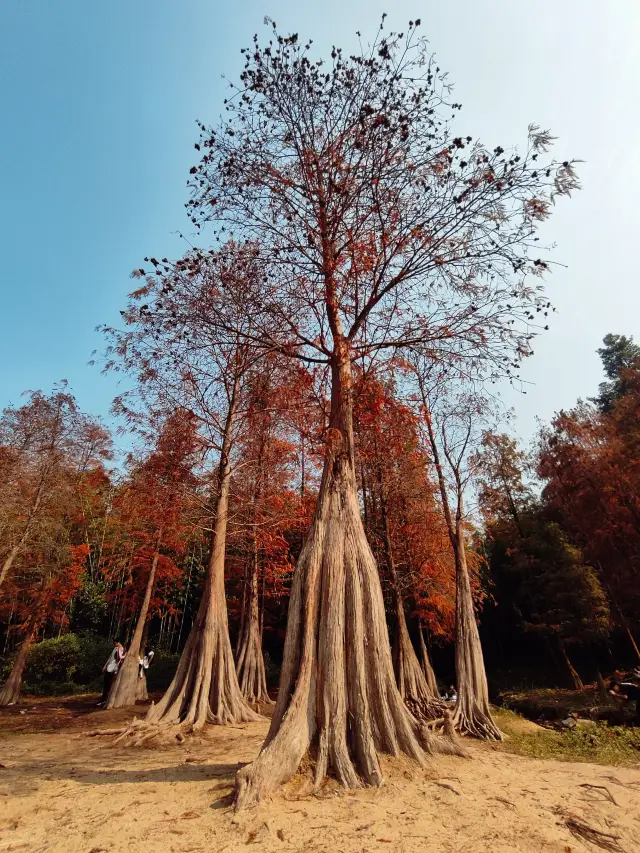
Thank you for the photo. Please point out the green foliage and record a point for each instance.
(545, 578)
(601, 744)
(618, 355)
(64, 665)
(90, 606)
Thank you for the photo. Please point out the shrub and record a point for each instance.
(62, 665)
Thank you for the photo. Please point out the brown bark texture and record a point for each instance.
(338, 694)
(126, 687)
(10, 690)
(250, 660)
(205, 687)
(472, 714)
(425, 662)
(413, 687)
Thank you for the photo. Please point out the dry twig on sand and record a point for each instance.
(609, 796)
(582, 830)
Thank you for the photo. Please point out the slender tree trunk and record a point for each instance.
(243, 605)
(337, 686)
(125, 688)
(10, 690)
(205, 687)
(472, 714)
(412, 684)
(250, 664)
(631, 639)
(425, 662)
(573, 673)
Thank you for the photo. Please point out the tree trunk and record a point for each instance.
(205, 687)
(573, 673)
(337, 685)
(472, 714)
(425, 662)
(413, 687)
(126, 685)
(250, 663)
(142, 694)
(632, 639)
(10, 691)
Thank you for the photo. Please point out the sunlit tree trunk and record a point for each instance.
(425, 662)
(571, 670)
(126, 686)
(337, 686)
(205, 687)
(472, 714)
(250, 665)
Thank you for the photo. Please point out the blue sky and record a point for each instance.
(98, 103)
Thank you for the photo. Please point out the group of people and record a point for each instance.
(113, 664)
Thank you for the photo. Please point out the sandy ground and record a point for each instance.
(63, 791)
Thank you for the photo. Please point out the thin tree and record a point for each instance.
(175, 349)
(451, 424)
(376, 228)
(50, 575)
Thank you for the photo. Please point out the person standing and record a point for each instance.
(110, 669)
(145, 662)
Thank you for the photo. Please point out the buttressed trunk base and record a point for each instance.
(338, 696)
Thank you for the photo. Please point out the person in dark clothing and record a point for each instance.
(626, 691)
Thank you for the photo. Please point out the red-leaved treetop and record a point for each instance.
(46, 446)
(375, 227)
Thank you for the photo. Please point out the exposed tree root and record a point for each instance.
(338, 693)
(250, 660)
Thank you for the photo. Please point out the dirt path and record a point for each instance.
(61, 791)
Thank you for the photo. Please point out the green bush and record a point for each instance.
(73, 663)
(68, 664)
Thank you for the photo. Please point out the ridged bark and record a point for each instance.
(413, 687)
(338, 693)
(425, 663)
(205, 687)
(250, 660)
(472, 714)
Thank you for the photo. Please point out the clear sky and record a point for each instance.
(97, 108)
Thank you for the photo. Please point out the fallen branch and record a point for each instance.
(103, 732)
(608, 793)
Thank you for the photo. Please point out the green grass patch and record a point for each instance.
(600, 744)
